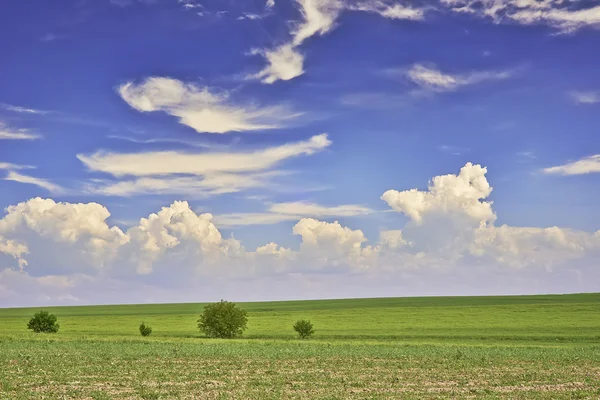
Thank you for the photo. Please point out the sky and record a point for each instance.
(159, 151)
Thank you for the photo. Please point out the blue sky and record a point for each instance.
(287, 122)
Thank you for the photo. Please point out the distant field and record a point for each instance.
(448, 347)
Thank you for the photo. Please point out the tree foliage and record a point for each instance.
(43, 322)
(304, 329)
(223, 320)
(145, 330)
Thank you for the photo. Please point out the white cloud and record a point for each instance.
(316, 210)
(43, 183)
(459, 194)
(208, 185)
(586, 97)
(290, 211)
(319, 17)
(173, 162)
(201, 108)
(567, 16)
(14, 249)
(285, 62)
(249, 16)
(586, 165)
(24, 110)
(393, 11)
(454, 221)
(270, 4)
(16, 134)
(62, 237)
(450, 241)
(5, 165)
(431, 78)
(204, 174)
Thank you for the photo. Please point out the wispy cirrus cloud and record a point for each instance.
(566, 16)
(11, 166)
(194, 174)
(25, 110)
(430, 78)
(286, 62)
(387, 10)
(8, 133)
(587, 97)
(453, 150)
(43, 183)
(290, 211)
(159, 140)
(202, 108)
(176, 162)
(190, 186)
(586, 165)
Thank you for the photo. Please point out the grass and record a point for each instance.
(453, 347)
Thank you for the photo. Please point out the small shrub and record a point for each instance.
(304, 329)
(43, 322)
(145, 330)
(223, 320)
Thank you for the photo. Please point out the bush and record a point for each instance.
(145, 330)
(223, 320)
(43, 322)
(304, 329)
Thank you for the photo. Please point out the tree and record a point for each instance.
(304, 329)
(43, 322)
(145, 330)
(223, 320)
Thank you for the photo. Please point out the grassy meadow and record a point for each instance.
(545, 347)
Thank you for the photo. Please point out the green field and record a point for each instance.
(447, 347)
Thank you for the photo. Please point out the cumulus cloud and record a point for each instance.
(454, 220)
(460, 193)
(586, 97)
(43, 183)
(430, 78)
(8, 133)
(450, 237)
(586, 165)
(202, 108)
(62, 237)
(567, 16)
(290, 211)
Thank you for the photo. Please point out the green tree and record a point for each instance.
(145, 330)
(43, 322)
(304, 329)
(223, 320)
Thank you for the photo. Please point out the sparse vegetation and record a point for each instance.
(518, 347)
(223, 320)
(43, 322)
(145, 330)
(304, 329)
